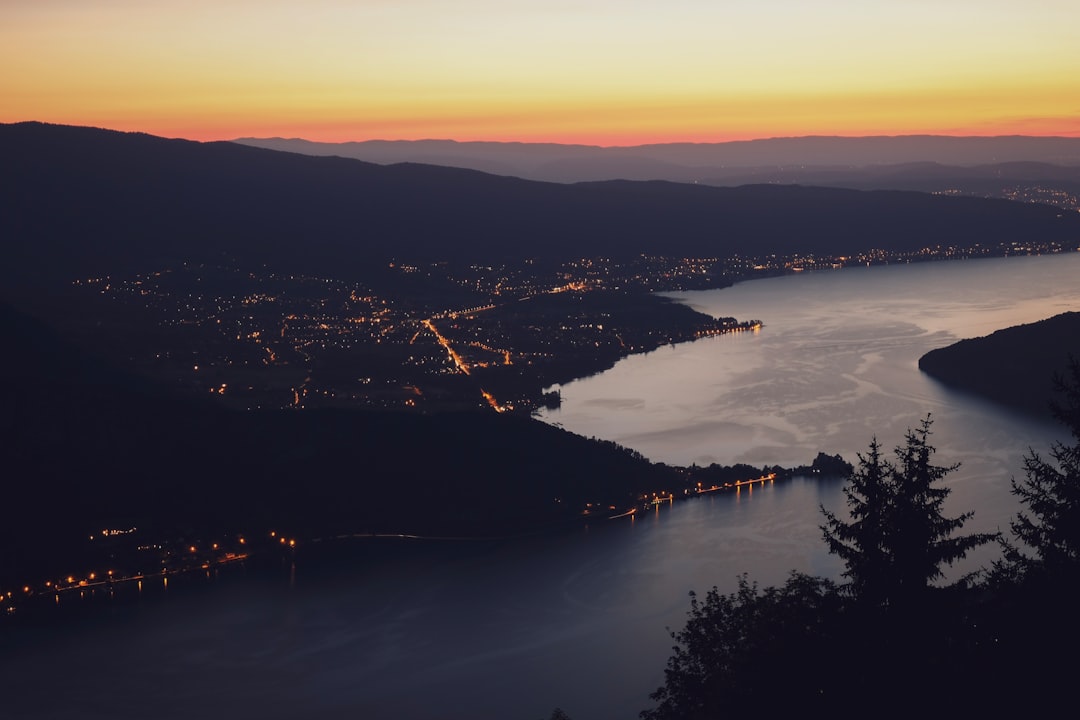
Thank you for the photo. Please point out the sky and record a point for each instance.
(602, 72)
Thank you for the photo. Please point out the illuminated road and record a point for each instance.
(492, 401)
(462, 366)
(458, 362)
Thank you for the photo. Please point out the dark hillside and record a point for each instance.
(77, 201)
(1013, 366)
(89, 447)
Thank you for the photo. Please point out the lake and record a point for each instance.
(513, 627)
(835, 364)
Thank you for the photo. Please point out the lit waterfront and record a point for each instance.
(407, 627)
(835, 362)
(834, 365)
(577, 618)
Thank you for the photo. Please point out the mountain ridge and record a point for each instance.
(78, 200)
(716, 163)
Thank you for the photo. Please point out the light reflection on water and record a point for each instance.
(388, 629)
(410, 629)
(835, 364)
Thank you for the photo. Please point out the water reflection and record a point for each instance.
(388, 628)
(405, 628)
(835, 365)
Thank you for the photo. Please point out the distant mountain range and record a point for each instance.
(916, 162)
(81, 200)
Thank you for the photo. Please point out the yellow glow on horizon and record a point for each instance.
(612, 73)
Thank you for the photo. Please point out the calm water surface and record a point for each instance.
(512, 628)
(835, 364)
(421, 629)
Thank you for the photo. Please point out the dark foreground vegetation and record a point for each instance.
(888, 641)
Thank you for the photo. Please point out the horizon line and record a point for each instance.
(205, 137)
(764, 138)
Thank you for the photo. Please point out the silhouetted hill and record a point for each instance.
(76, 201)
(1014, 366)
(88, 446)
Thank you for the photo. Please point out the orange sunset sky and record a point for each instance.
(605, 72)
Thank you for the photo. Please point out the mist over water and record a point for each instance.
(513, 627)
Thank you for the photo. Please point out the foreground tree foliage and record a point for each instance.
(1036, 585)
(888, 641)
(860, 542)
(735, 647)
(1048, 526)
(898, 538)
